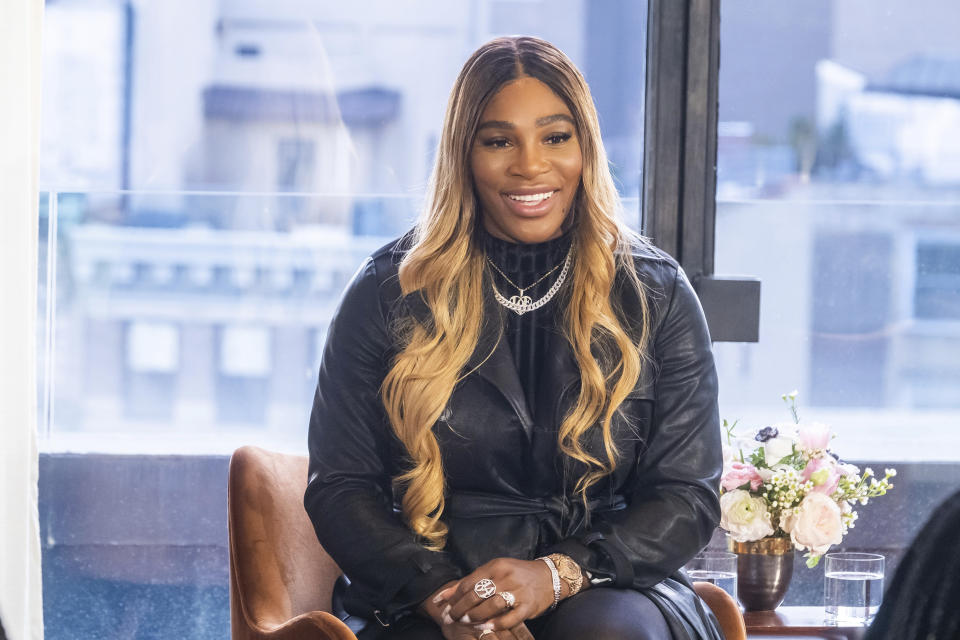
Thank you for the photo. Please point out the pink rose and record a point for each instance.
(824, 474)
(817, 525)
(814, 436)
(739, 475)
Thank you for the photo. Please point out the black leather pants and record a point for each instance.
(595, 614)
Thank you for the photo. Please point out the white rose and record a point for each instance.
(776, 449)
(744, 517)
(817, 525)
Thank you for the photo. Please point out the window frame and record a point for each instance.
(678, 196)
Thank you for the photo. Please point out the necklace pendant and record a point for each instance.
(521, 304)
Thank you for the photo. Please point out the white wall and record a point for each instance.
(20, 79)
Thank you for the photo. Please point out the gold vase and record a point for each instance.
(764, 570)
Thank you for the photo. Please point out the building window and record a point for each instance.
(243, 374)
(937, 289)
(152, 362)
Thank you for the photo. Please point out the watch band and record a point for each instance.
(555, 576)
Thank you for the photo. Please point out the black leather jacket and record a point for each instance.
(506, 482)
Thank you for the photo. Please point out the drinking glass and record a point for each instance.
(715, 567)
(852, 587)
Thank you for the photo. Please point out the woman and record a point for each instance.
(515, 427)
(921, 602)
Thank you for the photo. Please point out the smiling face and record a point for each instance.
(526, 162)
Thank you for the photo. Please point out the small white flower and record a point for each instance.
(849, 469)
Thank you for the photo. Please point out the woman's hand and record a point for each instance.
(459, 631)
(528, 580)
(435, 605)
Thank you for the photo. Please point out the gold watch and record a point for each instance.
(569, 572)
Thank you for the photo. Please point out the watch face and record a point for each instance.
(568, 569)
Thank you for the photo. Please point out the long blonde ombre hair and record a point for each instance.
(445, 264)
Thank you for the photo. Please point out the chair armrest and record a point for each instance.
(314, 625)
(725, 608)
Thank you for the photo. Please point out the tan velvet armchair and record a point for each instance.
(281, 579)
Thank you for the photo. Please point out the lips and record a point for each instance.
(530, 202)
(531, 199)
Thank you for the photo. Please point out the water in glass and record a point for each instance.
(726, 580)
(715, 567)
(852, 597)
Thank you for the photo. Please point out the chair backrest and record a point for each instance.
(278, 570)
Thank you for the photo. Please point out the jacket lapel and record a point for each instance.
(559, 374)
(492, 360)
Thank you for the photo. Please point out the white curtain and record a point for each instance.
(20, 73)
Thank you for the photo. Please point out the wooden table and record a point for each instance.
(806, 622)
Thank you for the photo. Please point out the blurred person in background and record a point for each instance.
(923, 599)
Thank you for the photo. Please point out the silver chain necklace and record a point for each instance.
(521, 304)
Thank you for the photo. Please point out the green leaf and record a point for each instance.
(793, 459)
(758, 458)
(812, 561)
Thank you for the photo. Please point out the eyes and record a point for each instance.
(502, 142)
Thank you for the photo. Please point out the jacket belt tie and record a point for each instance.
(571, 513)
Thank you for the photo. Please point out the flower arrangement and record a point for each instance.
(785, 482)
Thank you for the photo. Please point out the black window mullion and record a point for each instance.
(663, 124)
(700, 138)
(680, 154)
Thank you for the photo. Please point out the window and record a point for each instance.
(212, 178)
(837, 186)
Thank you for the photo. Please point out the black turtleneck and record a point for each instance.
(528, 335)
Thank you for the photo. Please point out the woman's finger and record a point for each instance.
(503, 634)
(445, 594)
(470, 592)
(459, 606)
(508, 620)
(521, 632)
(486, 609)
